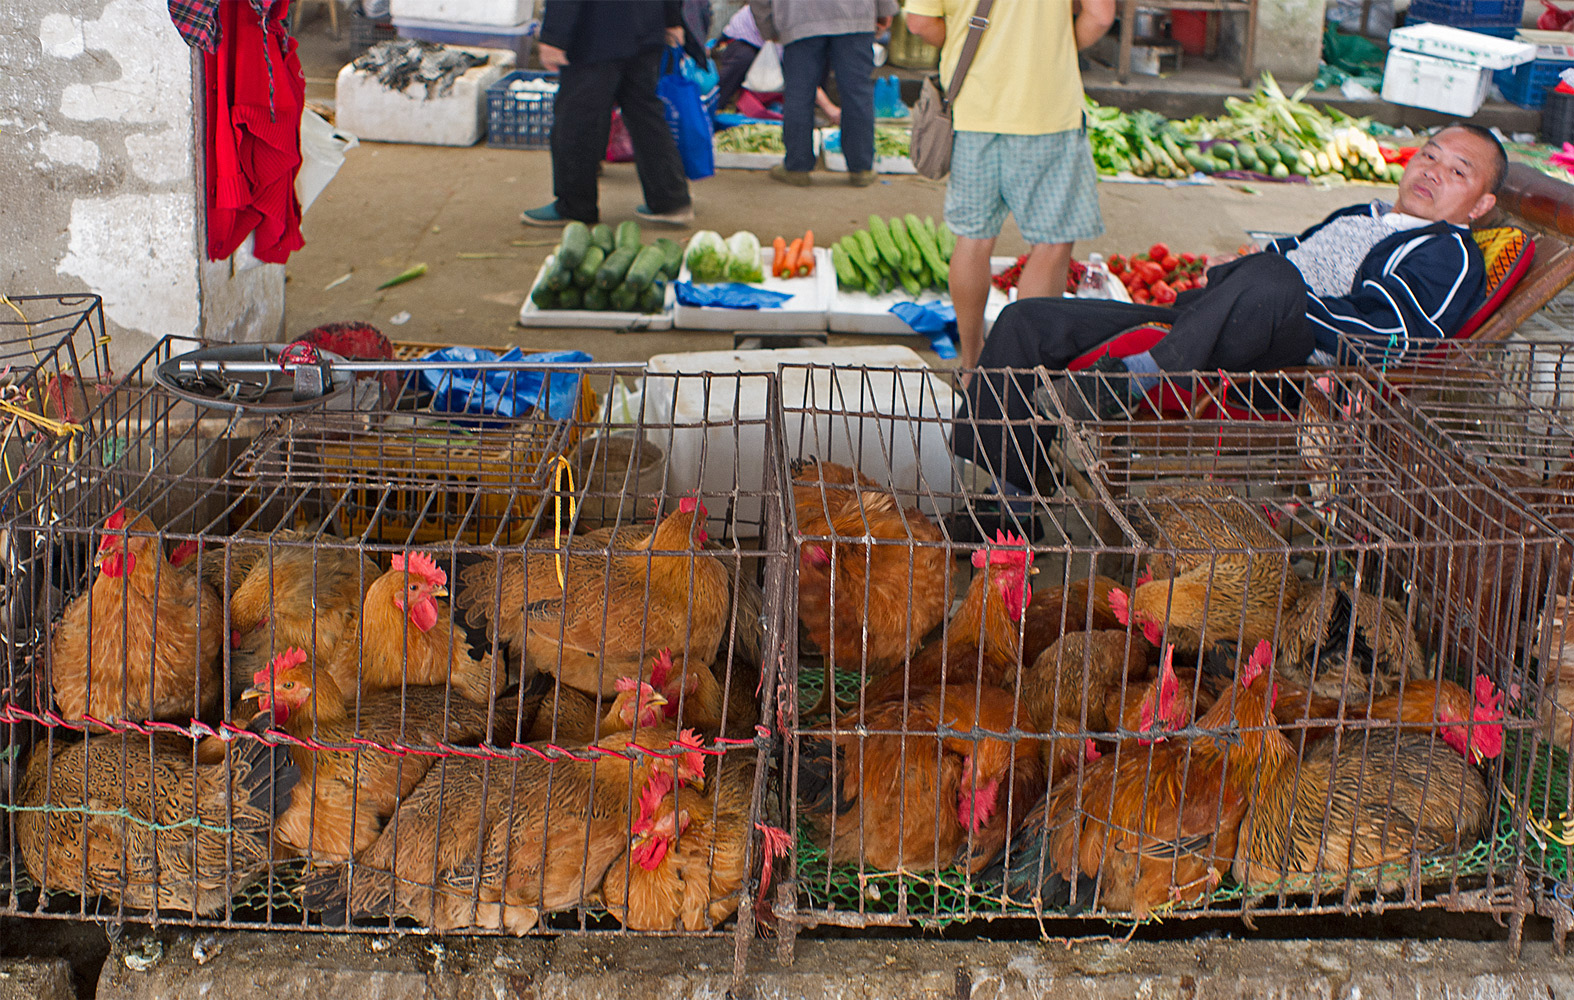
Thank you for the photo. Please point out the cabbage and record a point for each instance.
(744, 250)
(707, 257)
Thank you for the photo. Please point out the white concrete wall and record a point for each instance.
(98, 145)
(1290, 37)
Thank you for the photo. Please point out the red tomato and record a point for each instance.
(1170, 263)
(1163, 294)
(1142, 295)
(1180, 285)
(1188, 258)
(1117, 265)
(1130, 278)
(1152, 273)
(1158, 251)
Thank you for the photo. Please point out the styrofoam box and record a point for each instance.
(756, 161)
(591, 319)
(811, 297)
(1437, 84)
(1443, 42)
(729, 456)
(859, 312)
(882, 164)
(368, 110)
(499, 13)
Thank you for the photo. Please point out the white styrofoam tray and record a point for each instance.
(859, 312)
(1443, 42)
(757, 161)
(721, 454)
(1423, 81)
(492, 13)
(882, 164)
(591, 319)
(372, 112)
(811, 297)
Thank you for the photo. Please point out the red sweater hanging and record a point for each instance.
(255, 94)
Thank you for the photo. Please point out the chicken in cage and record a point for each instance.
(259, 707)
(1263, 707)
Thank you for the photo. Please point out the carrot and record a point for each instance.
(779, 256)
(791, 267)
(805, 260)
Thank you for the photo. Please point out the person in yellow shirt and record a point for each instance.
(1020, 145)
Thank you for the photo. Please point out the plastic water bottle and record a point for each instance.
(1095, 280)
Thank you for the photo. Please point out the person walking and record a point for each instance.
(816, 35)
(1020, 144)
(608, 52)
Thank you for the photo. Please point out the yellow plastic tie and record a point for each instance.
(563, 469)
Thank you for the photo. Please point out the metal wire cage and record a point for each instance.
(1094, 739)
(243, 700)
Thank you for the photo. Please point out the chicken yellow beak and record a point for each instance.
(656, 700)
(1032, 571)
(252, 692)
(439, 592)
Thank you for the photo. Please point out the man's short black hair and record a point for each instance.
(1500, 156)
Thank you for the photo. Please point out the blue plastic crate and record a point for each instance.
(1527, 84)
(1492, 17)
(520, 119)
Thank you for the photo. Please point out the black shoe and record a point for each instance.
(1101, 392)
(986, 518)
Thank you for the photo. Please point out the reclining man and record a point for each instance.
(1396, 277)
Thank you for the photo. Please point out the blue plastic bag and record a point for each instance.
(935, 320)
(503, 393)
(729, 296)
(706, 78)
(686, 116)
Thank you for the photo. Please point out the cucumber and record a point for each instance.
(628, 235)
(1288, 154)
(672, 256)
(846, 271)
(615, 267)
(601, 236)
(1248, 155)
(559, 277)
(1225, 151)
(585, 273)
(1202, 161)
(544, 297)
(927, 248)
(909, 282)
(1173, 149)
(1279, 172)
(1267, 154)
(883, 244)
(623, 299)
(925, 278)
(595, 299)
(570, 298)
(1395, 171)
(654, 298)
(643, 271)
(904, 244)
(576, 240)
(945, 241)
(853, 247)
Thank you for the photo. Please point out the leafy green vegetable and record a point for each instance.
(743, 251)
(707, 257)
(750, 139)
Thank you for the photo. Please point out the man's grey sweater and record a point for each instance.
(786, 21)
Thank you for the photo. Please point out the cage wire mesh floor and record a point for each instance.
(559, 666)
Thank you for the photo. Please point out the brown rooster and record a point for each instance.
(614, 608)
(1368, 799)
(1077, 686)
(495, 844)
(1152, 826)
(138, 824)
(294, 594)
(874, 800)
(344, 796)
(1470, 723)
(850, 584)
(1235, 585)
(982, 642)
(404, 636)
(1337, 639)
(144, 642)
(694, 697)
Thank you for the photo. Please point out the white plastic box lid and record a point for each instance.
(1443, 42)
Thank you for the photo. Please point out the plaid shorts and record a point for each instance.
(1047, 182)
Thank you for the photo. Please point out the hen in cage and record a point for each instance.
(865, 605)
(137, 822)
(624, 593)
(144, 641)
(1093, 682)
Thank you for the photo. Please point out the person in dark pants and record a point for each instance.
(606, 53)
(816, 35)
(1391, 279)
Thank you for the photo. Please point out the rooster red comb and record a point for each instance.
(689, 505)
(1488, 700)
(1010, 553)
(657, 787)
(419, 564)
(116, 520)
(1259, 661)
(626, 684)
(661, 669)
(1120, 605)
(291, 657)
(1090, 751)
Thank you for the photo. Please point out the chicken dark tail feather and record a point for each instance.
(819, 774)
(266, 771)
(1220, 659)
(326, 892)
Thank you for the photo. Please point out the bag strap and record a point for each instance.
(975, 31)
